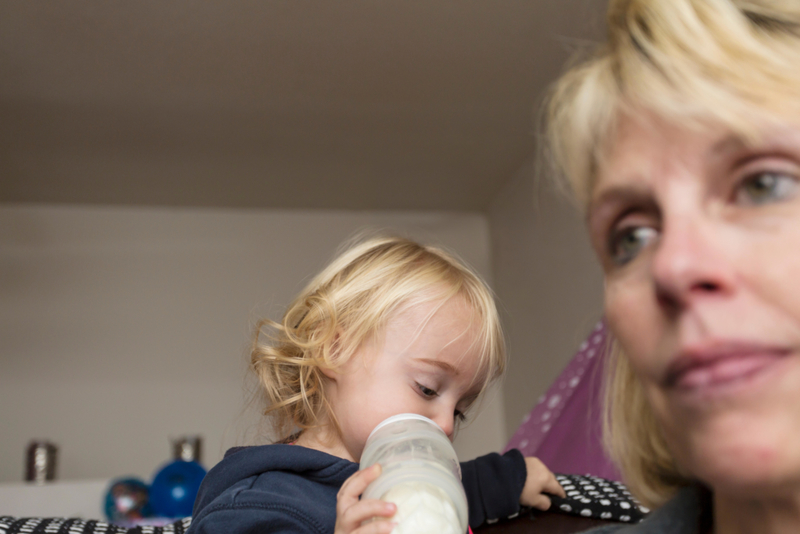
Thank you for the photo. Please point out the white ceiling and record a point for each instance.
(371, 104)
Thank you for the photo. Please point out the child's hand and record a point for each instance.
(540, 481)
(351, 512)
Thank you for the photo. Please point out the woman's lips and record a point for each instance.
(720, 366)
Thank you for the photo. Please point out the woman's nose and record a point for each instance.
(691, 262)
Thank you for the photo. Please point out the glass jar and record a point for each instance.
(420, 474)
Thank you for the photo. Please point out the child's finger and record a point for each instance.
(350, 511)
(541, 479)
(540, 502)
(376, 527)
(354, 486)
(366, 509)
(553, 487)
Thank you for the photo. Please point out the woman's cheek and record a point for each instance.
(773, 275)
(632, 316)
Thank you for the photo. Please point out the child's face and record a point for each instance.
(428, 369)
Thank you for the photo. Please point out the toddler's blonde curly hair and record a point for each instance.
(351, 299)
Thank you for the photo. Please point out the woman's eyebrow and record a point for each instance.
(614, 196)
(734, 146)
(729, 143)
(438, 363)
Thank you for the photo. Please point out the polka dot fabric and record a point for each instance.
(598, 498)
(51, 525)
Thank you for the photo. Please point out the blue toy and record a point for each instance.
(127, 500)
(174, 488)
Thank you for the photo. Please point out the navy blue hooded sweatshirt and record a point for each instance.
(273, 489)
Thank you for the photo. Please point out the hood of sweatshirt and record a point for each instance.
(272, 469)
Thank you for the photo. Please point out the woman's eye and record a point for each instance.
(459, 415)
(626, 243)
(767, 187)
(426, 391)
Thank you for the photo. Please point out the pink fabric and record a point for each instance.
(564, 428)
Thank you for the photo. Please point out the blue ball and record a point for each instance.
(174, 488)
(127, 500)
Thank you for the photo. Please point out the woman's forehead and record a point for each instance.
(626, 153)
(642, 142)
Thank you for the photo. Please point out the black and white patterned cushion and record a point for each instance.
(587, 496)
(57, 525)
(599, 498)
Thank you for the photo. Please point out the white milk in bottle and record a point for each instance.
(420, 474)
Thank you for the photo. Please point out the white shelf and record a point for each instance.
(79, 498)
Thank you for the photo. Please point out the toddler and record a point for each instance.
(389, 327)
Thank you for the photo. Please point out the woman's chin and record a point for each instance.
(746, 469)
(739, 446)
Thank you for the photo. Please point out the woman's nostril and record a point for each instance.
(707, 286)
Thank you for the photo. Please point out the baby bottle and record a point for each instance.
(420, 474)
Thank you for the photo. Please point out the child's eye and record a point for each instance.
(459, 415)
(766, 187)
(426, 391)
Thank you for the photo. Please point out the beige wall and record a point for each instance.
(122, 327)
(548, 282)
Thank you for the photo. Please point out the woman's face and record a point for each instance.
(699, 236)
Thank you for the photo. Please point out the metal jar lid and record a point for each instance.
(40, 461)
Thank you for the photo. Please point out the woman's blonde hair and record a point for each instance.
(351, 299)
(691, 62)
(687, 61)
(633, 437)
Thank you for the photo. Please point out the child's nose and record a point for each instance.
(447, 423)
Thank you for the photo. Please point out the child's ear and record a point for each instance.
(333, 355)
(329, 373)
